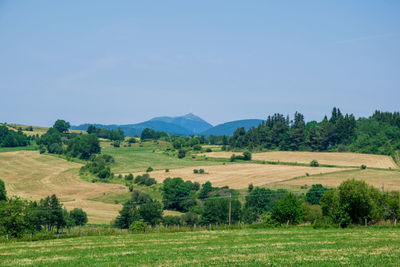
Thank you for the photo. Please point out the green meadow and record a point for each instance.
(299, 246)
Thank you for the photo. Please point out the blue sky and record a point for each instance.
(128, 61)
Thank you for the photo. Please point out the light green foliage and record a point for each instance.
(288, 210)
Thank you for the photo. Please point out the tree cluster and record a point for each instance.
(19, 217)
(105, 133)
(150, 134)
(57, 140)
(10, 138)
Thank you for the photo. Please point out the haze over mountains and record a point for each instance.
(188, 124)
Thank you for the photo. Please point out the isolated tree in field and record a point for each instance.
(3, 191)
(315, 193)
(288, 210)
(181, 153)
(78, 216)
(61, 126)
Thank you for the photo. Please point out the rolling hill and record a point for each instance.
(229, 128)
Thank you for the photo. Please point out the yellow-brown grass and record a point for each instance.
(330, 158)
(376, 178)
(32, 176)
(35, 129)
(241, 175)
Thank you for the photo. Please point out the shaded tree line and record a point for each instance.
(10, 138)
(57, 140)
(378, 134)
(19, 217)
(106, 133)
(352, 203)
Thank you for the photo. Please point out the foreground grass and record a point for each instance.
(250, 247)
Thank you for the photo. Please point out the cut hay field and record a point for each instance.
(262, 247)
(241, 175)
(376, 178)
(32, 176)
(328, 158)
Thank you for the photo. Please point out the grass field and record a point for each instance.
(377, 178)
(138, 158)
(328, 158)
(32, 176)
(240, 175)
(251, 247)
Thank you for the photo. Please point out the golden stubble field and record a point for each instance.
(32, 176)
(241, 175)
(329, 158)
(390, 180)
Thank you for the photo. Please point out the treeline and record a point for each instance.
(58, 140)
(19, 217)
(352, 203)
(110, 134)
(10, 138)
(378, 134)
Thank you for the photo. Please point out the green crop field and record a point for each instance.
(251, 247)
(138, 158)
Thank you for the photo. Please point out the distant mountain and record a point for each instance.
(183, 125)
(190, 122)
(229, 128)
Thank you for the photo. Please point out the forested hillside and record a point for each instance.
(378, 134)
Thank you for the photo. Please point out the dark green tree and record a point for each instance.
(288, 210)
(315, 193)
(3, 191)
(78, 216)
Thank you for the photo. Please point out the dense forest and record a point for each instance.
(378, 134)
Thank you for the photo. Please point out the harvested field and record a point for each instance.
(32, 176)
(241, 175)
(329, 158)
(376, 178)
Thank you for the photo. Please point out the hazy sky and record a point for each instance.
(128, 61)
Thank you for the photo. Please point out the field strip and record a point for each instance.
(377, 178)
(241, 175)
(326, 158)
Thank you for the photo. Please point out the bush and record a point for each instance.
(138, 226)
(149, 169)
(195, 171)
(246, 155)
(167, 170)
(132, 140)
(129, 177)
(288, 210)
(233, 157)
(363, 167)
(197, 147)
(315, 193)
(311, 213)
(208, 150)
(201, 171)
(171, 220)
(145, 179)
(181, 153)
(78, 216)
(314, 163)
(250, 187)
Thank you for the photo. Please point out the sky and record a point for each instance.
(120, 62)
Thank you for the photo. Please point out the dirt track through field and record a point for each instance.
(241, 175)
(329, 158)
(32, 176)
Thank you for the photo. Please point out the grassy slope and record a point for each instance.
(138, 158)
(287, 247)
